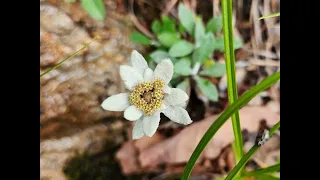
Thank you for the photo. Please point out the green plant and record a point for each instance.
(190, 44)
(95, 8)
(242, 101)
(232, 110)
(249, 154)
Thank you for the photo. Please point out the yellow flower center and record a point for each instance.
(147, 96)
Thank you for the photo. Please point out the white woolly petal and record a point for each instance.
(178, 115)
(148, 74)
(137, 131)
(130, 76)
(183, 105)
(164, 70)
(166, 89)
(132, 113)
(118, 102)
(176, 96)
(138, 62)
(151, 124)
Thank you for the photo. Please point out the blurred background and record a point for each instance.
(81, 141)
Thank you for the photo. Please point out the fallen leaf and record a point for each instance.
(127, 157)
(146, 142)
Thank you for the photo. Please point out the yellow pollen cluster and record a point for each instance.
(147, 96)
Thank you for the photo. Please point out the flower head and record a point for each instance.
(149, 96)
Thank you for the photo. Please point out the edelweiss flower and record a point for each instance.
(150, 95)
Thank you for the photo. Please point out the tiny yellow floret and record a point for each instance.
(148, 96)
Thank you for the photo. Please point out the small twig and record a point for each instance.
(193, 5)
(264, 63)
(170, 6)
(216, 10)
(137, 23)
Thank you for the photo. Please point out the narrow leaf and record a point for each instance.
(270, 169)
(270, 16)
(249, 154)
(57, 65)
(231, 75)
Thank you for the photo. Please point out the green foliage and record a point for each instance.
(199, 32)
(168, 25)
(95, 8)
(184, 85)
(168, 38)
(156, 27)
(205, 49)
(215, 70)
(183, 66)
(207, 88)
(186, 18)
(158, 55)
(219, 43)
(190, 44)
(70, 1)
(217, 124)
(214, 25)
(139, 38)
(180, 49)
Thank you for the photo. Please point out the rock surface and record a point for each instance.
(55, 153)
(70, 96)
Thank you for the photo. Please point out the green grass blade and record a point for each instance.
(231, 75)
(249, 154)
(243, 100)
(69, 57)
(269, 169)
(270, 16)
(266, 177)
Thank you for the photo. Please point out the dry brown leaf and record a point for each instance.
(127, 157)
(146, 142)
(179, 148)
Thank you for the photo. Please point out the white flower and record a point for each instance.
(150, 95)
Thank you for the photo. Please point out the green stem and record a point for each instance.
(269, 169)
(69, 57)
(215, 126)
(231, 74)
(249, 154)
